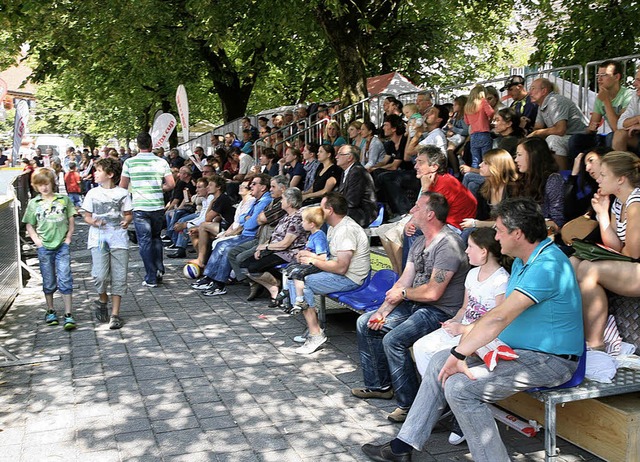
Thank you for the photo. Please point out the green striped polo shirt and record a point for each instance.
(146, 172)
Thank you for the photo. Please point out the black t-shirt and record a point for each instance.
(178, 191)
(321, 180)
(224, 207)
(398, 154)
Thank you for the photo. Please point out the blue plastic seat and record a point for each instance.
(337, 295)
(371, 296)
(379, 219)
(575, 380)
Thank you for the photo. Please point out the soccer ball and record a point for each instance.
(191, 271)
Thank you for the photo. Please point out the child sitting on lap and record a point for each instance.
(312, 220)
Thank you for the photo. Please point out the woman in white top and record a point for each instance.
(620, 230)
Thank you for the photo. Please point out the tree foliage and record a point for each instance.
(117, 62)
(580, 31)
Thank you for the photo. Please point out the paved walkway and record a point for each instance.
(191, 378)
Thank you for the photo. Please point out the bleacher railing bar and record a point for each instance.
(10, 270)
(575, 82)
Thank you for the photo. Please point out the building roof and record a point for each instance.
(16, 78)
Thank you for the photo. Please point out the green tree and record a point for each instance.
(578, 31)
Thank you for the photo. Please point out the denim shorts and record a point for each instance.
(55, 268)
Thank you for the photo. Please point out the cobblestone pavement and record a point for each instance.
(191, 378)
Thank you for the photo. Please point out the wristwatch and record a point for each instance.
(404, 295)
(457, 355)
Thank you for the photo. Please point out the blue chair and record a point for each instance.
(371, 296)
(377, 222)
(337, 295)
(575, 380)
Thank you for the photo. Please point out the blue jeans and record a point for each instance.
(384, 354)
(55, 268)
(218, 267)
(75, 199)
(173, 218)
(321, 283)
(148, 227)
(481, 142)
(468, 398)
(181, 239)
(472, 181)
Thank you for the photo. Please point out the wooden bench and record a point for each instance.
(584, 413)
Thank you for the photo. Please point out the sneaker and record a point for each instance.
(51, 318)
(159, 275)
(69, 322)
(456, 436)
(300, 338)
(399, 415)
(115, 322)
(101, 311)
(204, 284)
(312, 343)
(368, 393)
(148, 284)
(214, 292)
(299, 307)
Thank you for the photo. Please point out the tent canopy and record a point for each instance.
(392, 82)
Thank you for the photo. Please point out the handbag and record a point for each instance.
(590, 251)
(578, 228)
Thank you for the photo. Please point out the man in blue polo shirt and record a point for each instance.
(218, 268)
(541, 319)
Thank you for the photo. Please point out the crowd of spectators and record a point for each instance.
(442, 174)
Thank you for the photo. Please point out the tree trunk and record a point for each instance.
(349, 44)
(233, 90)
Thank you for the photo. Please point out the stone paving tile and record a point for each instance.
(190, 378)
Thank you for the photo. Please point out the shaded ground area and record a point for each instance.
(191, 378)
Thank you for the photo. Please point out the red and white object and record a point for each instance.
(19, 126)
(162, 128)
(183, 110)
(529, 429)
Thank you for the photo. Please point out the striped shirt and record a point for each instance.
(146, 172)
(621, 226)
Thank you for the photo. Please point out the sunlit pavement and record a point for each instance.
(192, 378)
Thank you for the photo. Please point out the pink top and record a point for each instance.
(480, 121)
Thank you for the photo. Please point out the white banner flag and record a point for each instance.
(19, 127)
(183, 110)
(162, 128)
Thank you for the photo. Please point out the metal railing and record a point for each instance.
(576, 82)
(449, 93)
(411, 96)
(11, 211)
(630, 64)
(568, 79)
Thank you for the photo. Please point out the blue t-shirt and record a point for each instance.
(553, 324)
(298, 170)
(318, 243)
(251, 225)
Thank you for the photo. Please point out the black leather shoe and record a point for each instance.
(383, 453)
(256, 291)
(179, 253)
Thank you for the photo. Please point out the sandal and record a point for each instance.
(274, 303)
(101, 311)
(282, 295)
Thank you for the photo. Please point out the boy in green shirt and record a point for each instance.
(49, 219)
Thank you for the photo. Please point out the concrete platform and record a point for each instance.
(192, 378)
